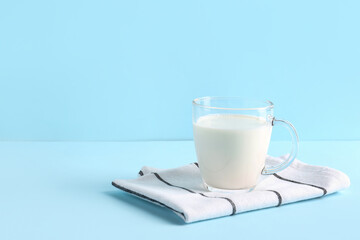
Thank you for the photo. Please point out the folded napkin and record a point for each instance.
(182, 191)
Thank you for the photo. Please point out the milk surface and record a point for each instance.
(231, 149)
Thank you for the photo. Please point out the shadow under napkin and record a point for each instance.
(154, 210)
(168, 216)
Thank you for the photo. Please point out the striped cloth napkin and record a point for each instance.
(181, 189)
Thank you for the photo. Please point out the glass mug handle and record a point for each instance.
(294, 150)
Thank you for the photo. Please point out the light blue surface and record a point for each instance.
(63, 191)
(128, 70)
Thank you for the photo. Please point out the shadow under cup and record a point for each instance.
(232, 137)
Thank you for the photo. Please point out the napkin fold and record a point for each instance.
(182, 191)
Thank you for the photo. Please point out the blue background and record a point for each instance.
(116, 70)
(128, 70)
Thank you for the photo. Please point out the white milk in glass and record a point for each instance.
(231, 149)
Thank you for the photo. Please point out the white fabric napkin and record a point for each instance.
(181, 189)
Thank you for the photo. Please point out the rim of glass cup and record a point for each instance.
(268, 103)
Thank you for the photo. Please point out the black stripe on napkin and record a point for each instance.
(196, 164)
(278, 195)
(141, 173)
(228, 199)
(146, 198)
(160, 178)
(311, 185)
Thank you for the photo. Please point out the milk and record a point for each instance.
(231, 149)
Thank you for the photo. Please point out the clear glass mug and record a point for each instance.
(232, 137)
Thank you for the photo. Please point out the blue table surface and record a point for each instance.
(62, 190)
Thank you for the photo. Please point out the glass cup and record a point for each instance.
(232, 137)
